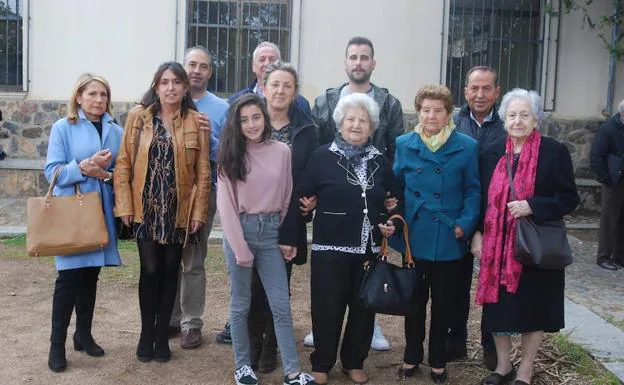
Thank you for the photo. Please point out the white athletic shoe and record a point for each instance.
(379, 342)
(309, 340)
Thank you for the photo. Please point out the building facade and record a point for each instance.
(46, 44)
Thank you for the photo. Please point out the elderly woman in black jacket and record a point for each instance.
(350, 179)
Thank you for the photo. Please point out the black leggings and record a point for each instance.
(157, 287)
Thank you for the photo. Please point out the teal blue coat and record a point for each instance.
(440, 190)
(69, 144)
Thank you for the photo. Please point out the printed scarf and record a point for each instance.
(498, 263)
(435, 142)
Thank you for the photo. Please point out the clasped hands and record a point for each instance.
(96, 165)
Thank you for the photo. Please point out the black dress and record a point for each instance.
(160, 198)
(538, 302)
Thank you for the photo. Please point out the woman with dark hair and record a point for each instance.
(294, 127)
(162, 181)
(255, 187)
(82, 149)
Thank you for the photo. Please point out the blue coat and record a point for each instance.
(69, 144)
(440, 190)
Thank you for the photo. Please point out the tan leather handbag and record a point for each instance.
(65, 225)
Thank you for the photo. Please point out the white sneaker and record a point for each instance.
(301, 379)
(379, 342)
(309, 340)
(245, 376)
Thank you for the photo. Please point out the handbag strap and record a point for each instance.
(57, 172)
(511, 182)
(408, 260)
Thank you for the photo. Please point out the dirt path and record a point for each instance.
(25, 301)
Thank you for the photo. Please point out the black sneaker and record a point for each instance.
(301, 379)
(245, 376)
(225, 337)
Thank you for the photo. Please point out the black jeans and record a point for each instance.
(335, 281)
(157, 288)
(440, 279)
(74, 288)
(458, 333)
(610, 239)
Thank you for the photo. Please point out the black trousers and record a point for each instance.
(458, 327)
(438, 280)
(157, 288)
(610, 235)
(74, 288)
(335, 281)
(260, 318)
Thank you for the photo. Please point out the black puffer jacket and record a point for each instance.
(303, 143)
(485, 135)
(390, 118)
(609, 140)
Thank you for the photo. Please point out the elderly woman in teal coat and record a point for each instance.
(82, 147)
(437, 168)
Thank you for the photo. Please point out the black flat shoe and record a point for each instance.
(56, 359)
(439, 378)
(145, 351)
(91, 348)
(162, 353)
(499, 379)
(404, 373)
(607, 264)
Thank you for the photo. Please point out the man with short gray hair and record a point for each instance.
(264, 54)
(607, 161)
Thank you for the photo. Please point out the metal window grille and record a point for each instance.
(503, 34)
(11, 45)
(231, 30)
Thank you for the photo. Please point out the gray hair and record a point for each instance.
(198, 48)
(357, 100)
(621, 107)
(266, 44)
(279, 65)
(531, 97)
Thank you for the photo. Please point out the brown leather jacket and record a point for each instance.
(191, 160)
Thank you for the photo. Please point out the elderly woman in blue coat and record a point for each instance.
(83, 148)
(437, 169)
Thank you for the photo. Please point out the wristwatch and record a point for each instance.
(109, 179)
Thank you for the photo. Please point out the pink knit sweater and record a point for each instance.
(267, 189)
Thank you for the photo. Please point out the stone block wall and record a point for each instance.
(25, 131)
(576, 134)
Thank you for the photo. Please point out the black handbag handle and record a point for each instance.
(408, 260)
(511, 183)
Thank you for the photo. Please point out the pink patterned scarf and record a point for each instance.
(498, 265)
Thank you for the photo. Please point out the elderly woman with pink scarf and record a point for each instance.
(519, 299)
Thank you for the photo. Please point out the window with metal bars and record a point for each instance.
(11, 45)
(503, 34)
(231, 30)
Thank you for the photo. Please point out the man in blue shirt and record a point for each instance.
(191, 298)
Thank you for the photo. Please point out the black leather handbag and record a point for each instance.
(387, 288)
(544, 245)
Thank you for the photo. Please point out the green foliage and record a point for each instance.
(583, 362)
(20, 240)
(601, 25)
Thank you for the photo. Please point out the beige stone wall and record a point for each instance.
(25, 131)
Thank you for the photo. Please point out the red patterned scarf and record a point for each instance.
(498, 265)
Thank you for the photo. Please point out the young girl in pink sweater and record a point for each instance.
(254, 191)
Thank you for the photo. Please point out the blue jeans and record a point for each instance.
(261, 234)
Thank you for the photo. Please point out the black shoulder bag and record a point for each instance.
(543, 245)
(387, 288)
